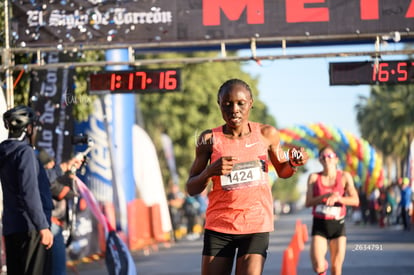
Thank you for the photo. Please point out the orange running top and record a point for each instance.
(241, 203)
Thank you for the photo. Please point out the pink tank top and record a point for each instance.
(241, 203)
(323, 211)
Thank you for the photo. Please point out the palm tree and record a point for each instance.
(386, 120)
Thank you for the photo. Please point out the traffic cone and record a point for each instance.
(288, 264)
(298, 224)
(301, 238)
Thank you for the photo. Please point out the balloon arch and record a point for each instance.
(356, 155)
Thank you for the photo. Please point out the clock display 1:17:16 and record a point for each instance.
(144, 80)
(136, 81)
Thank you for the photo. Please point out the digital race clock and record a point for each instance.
(139, 81)
(386, 72)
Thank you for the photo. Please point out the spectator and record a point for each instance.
(363, 205)
(373, 206)
(392, 205)
(191, 209)
(406, 203)
(175, 199)
(60, 177)
(383, 206)
(27, 201)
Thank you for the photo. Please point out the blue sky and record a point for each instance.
(297, 91)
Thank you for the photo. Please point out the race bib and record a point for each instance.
(243, 175)
(332, 211)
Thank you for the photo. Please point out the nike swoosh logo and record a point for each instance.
(251, 144)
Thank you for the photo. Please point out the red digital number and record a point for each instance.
(116, 82)
(402, 71)
(374, 72)
(161, 81)
(383, 73)
(130, 81)
(143, 77)
(170, 80)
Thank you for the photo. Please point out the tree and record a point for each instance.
(386, 121)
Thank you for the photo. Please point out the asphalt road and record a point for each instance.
(370, 250)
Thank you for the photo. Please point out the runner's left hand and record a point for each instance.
(298, 156)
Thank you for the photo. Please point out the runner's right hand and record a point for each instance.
(222, 166)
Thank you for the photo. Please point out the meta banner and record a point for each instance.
(81, 22)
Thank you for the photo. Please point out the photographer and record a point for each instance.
(60, 177)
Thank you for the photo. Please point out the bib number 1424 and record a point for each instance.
(242, 175)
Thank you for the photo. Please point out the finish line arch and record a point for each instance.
(356, 155)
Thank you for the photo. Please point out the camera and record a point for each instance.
(80, 139)
(83, 140)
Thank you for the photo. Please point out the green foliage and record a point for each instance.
(286, 190)
(386, 117)
(82, 100)
(2, 24)
(386, 120)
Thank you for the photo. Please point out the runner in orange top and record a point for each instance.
(234, 157)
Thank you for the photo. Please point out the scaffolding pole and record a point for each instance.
(8, 57)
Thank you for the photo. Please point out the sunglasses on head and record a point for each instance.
(329, 156)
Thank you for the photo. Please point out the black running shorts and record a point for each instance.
(225, 245)
(330, 229)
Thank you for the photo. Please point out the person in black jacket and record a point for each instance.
(27, 201)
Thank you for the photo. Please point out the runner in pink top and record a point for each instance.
(337, 211)
(329, 192)
(234, 157)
